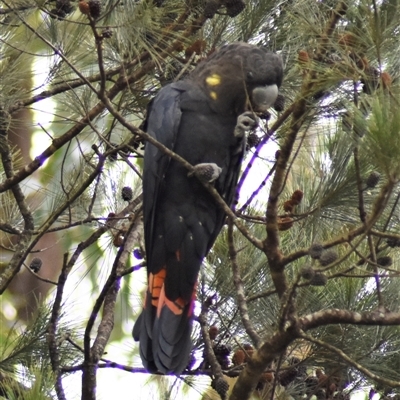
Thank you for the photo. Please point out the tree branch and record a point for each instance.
(350, 361)
(241, 298)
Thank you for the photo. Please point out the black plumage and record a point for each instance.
(197, 118)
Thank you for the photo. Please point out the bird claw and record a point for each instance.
(206, 172)
(246, 122)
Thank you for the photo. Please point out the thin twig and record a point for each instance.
(39, 277)
(240, 293)
(26, 243)
(350, 361)
(107, 300)
(255, 192)
(209, 352)
(52, 328)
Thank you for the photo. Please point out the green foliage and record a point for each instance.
(382, 142)
(25, 367)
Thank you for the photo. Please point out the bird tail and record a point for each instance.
(163, 329)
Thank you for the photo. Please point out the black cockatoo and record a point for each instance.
(203, 119)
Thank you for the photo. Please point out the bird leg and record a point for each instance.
(206, 172)
(246, 122)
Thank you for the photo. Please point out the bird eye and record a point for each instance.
(249, 75)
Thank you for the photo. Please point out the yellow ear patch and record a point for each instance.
(213, 80)
(213, 95)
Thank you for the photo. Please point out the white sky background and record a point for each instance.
(114, 383)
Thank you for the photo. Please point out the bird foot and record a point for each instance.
(206, 172)
(246, 122)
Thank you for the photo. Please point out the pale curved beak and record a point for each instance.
(263, 97)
